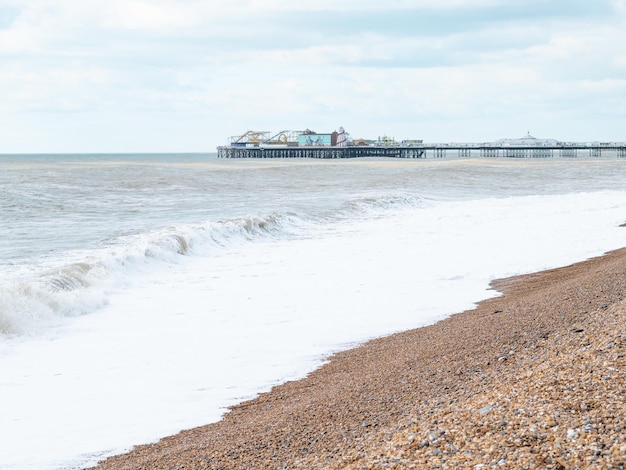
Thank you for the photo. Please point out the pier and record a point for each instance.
(338, 144)
(426, 151)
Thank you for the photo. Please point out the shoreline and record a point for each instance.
(532, 378)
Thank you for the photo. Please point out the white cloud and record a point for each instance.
(158, 16)
(221, 65)
(348, 5)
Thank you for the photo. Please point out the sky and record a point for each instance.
(99, 76)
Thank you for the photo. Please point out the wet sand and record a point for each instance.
(535, 378)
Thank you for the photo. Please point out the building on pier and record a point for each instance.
(526, 141)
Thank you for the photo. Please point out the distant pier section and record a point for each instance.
(339, 144)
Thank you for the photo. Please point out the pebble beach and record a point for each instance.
(532, 379)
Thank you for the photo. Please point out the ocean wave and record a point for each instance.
(381, 204)
(79, 282)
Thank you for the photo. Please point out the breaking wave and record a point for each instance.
(79, 282)
(380, 205)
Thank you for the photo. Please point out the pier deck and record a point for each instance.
(426, 151)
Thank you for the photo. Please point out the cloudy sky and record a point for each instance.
(184, 75)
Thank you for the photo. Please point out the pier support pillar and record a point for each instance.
(489, 152)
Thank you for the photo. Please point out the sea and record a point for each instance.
(144, 294)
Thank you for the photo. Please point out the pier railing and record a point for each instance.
(427, 151)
